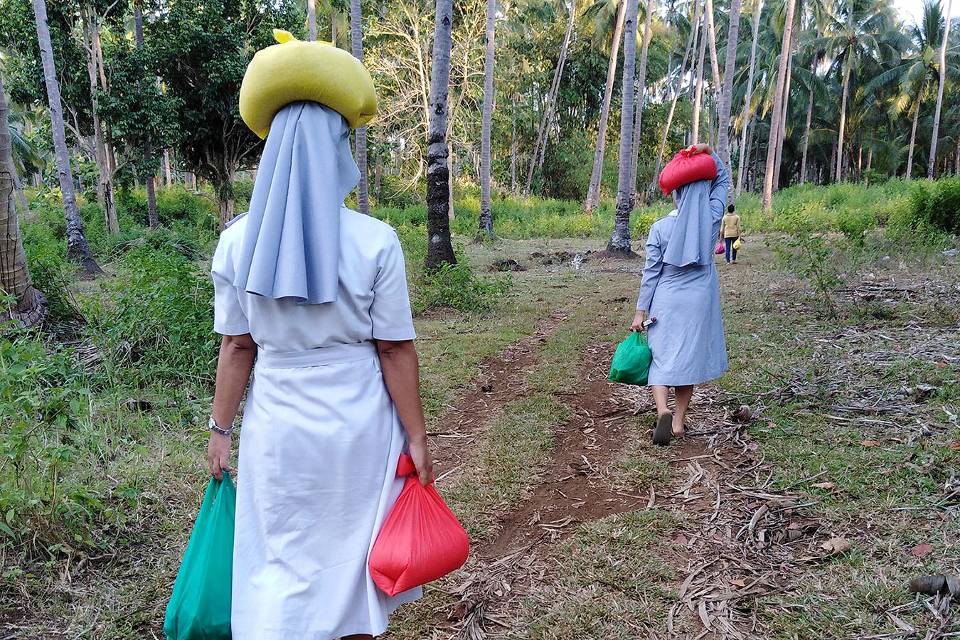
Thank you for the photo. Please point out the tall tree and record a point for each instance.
(152, 219)
(698, 82)
(748, 98)
(593, 191)
(486, 217)
(726, 95)
(935, 134)
(356, 40)
(777, 114)
(549, 108)
(77, 248)
(439, 247)
(620, 239)
(27, 307)
(312, 19)
(641, 84)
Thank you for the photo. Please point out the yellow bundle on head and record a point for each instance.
(294, 71)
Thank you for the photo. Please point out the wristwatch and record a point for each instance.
(212, 424)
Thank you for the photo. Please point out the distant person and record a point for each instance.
(730, 231)
(681, 290)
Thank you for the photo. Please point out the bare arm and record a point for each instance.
(401, 374)
(237, 354)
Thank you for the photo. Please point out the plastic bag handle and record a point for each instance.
(405, 466)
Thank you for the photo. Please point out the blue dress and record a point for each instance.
(687, 340)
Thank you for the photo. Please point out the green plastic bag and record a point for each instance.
(199, 608)
(631, 361)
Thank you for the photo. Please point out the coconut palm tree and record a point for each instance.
(620, 239)
(593, 191)
(77, 248)
(757, 9)
(152, 219)
(356, 40)
(27, 307)
(439, 247)
(486, 217)
(935, 134)
(916, 74)
(777, 115)
(726, 94)
(312, 19)
(641, 84)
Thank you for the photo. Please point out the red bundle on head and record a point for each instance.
(420, 541)
(686, 167)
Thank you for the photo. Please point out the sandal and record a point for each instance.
(663, 432)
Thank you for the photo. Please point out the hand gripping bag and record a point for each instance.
(686, 167)
(199, 608)
(631, 360)
(736, 244)
(420, 541)
(720, 249)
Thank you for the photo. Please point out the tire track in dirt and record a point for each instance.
(500, 381)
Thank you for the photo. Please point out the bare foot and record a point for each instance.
(677, 429)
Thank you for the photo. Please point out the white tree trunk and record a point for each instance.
(486, 217)
(726, 95)
(439, 247)
(935, 133)
(698, 89)
(782, 133)
(105, 194)
(777, 115)
(312, 19)
(749, 96)
(593, 191)
(77, 248)
(913, 138)
(540, 145)
(620, 239)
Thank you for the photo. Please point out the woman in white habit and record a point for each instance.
(313, 298)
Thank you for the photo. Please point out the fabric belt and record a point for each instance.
(314, 357)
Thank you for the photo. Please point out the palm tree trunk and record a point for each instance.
(486, 217)
(956, 161)
(749, 96)
(105, 195)
(745, 152)
(777, 115)
(712, 43)
(77, 248)
(312, 19)
(698, 90)
(593, 191)
(513, 147)
(843, 121)
(27, 306)
(356, 38)
(540, 144)
(439, 247)
(620, 239)
(640, 99)
(152, 219)
(726, 95)
(782, 134)
(935, 133)
(806, 135)
(167, 169)
(22, 203)
(333, 25)
(691, 41)
(913, 138)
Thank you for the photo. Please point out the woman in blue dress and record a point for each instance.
(681, 291)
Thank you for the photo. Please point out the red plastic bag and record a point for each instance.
(686, 167)
(720, 248)
(420, 541)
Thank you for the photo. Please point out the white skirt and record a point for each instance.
(316, 478)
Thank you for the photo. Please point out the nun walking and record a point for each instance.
(313, 298)
(681, 291)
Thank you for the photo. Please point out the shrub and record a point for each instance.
(43, 397)
(855, 224)
(458, 287)
(155, 322)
